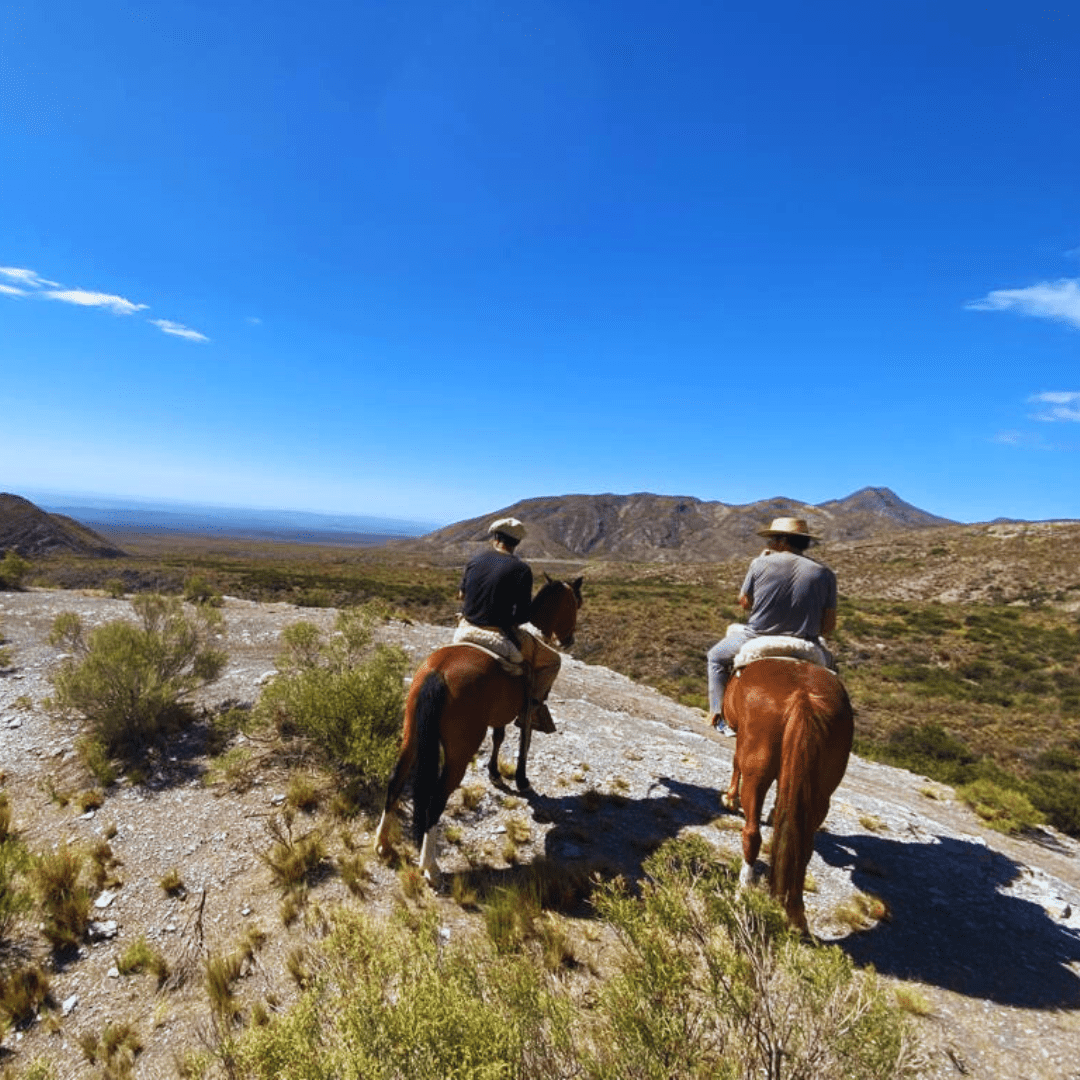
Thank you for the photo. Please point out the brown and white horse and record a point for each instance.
(793, 724)
(457, 693)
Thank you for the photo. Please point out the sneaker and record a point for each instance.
(723, 729)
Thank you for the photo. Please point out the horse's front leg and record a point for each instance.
(520, 777)
(497, 736)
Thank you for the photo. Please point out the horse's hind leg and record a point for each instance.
(753, 796)
(497, 736)
(393, 793)
(730, 798)
(452, 774)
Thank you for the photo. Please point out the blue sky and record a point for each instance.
(425, 259)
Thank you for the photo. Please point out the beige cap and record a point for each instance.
(508, 527)
(787, 527)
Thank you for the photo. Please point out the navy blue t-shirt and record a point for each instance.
(498, 590)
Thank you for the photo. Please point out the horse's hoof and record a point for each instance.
(747, 875)
(729, 803)
(432, 875)
(524, 785)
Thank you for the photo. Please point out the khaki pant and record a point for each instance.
(543, 662)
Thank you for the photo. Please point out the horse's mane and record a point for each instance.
(544, 595)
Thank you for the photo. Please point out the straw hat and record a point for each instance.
(787, 527)
(507, 526)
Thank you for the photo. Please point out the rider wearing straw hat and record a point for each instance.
(496, 593)
(786, 592)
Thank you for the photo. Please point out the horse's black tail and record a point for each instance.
(429, 707)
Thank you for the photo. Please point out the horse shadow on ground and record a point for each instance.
(950, 924)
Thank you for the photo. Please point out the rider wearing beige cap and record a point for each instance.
(496, 594)
(786, 592)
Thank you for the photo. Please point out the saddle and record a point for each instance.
(784, 648)
(494, 642)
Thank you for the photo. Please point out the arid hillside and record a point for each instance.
(31, 532)
(668, 528)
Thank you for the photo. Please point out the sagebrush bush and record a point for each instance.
(131, 681)
(345, 695)
(708, 984)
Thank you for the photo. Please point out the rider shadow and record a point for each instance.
(951, 926)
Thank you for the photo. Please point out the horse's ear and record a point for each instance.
(576, 586)
(547, 577)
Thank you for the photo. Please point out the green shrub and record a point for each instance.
(130, 680)
(13, 570)
(345, 695)
(1006, 810)
(707, 984)
(197, 590)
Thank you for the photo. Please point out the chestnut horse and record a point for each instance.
(457, 693)
(793, 724)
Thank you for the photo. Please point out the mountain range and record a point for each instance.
(669, 528)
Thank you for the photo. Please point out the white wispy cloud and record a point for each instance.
(166, 326)
(30, 279)
(85, 298)
(1060, 405)
(11, 290)
(1058, 300)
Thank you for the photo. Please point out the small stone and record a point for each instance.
(245, 911)
(276, 800)
(104, 900)
(69, 1004)
(102, 931)
(113, 972)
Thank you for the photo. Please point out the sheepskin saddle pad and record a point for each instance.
(494, 643)
(789, 648)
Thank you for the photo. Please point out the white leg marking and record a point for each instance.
(381, 835)
(428, 867)
(746, 875)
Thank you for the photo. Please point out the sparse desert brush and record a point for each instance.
(140, 956)
(872, 823)
(1002, 809)
(197, 590)
(303, 792)
(115, 1049)
(14, 861)
(701, 978)
(131, 681)
(910, 1000)
(345, 695)
(172, 884)
(63, 896)
(861, 911)
(293, 860)
(22, 992)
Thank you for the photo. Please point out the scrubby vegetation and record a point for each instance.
(131, 682)
(344, 695)
(704, 983)
(13, 570)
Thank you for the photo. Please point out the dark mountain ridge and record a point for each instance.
(31, 532)
(670, 528)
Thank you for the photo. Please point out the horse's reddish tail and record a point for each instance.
(429, 706)
(795, 817)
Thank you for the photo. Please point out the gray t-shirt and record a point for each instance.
(788, 593)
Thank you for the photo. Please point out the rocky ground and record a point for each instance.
(984, 927)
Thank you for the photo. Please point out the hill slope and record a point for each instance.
(30, 531)
(670, 528)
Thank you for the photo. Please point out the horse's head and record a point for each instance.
(554, 610)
